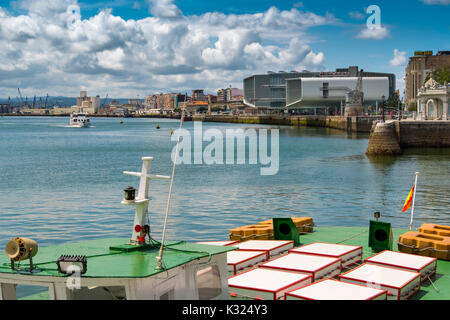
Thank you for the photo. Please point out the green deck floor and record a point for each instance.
(105, 263)
(139, 264)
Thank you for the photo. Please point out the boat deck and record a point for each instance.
(102, 262)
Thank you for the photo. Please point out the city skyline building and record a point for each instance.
(269, 90)
(88, 104)
(419, 66)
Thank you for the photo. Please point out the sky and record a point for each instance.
(131, 48)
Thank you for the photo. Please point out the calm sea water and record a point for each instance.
(62, 184)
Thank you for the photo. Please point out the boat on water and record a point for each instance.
(141, 267)
(79, 120)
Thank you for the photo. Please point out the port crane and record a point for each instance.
(104, 101)
(21, 98)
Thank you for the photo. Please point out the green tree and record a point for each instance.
(440, 75)
(393, 102)
(412, 107)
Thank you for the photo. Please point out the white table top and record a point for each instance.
(266, 279)
(331, 249)
(381, 275)
(301, 262)
(336, 290)
(237, 256)
(401, 259)
(217, 243)
(261, 244)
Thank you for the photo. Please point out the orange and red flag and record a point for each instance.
(408, 200)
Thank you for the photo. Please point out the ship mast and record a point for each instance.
(142, 200)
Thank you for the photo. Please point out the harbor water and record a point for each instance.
(61, 184)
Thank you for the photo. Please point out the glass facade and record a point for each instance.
(269, 90)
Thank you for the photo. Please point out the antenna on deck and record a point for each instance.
(159, 258)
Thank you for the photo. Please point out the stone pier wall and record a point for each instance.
(423, 133)
(353, 124)
(391, 137)
(383, 140)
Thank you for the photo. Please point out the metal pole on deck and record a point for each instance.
(414, 198)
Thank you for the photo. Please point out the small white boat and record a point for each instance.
(79, 120)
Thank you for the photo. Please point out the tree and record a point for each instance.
(393, 102)
(412, 107)
(440, 75)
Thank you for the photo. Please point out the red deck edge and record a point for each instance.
(383, 284)
(290, 293)
(263, 265)
(404, 267)
(266, 290)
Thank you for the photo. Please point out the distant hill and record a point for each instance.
(58, 101)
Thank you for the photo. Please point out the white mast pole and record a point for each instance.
(159, 258)
(414, 198)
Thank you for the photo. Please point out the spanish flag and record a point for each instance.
(408, 200)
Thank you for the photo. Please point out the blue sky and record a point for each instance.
(144, 46)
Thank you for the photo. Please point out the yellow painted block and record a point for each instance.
(303, 224)
(252, 232)
(424, 244)
(436, 229)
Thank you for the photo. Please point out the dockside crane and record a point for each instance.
(104, 101)
(21, 98)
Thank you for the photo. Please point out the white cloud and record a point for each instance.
(439, 2)
(399, 58)
(53, 49)
(164, 9)
(356, 15)
(377, 33)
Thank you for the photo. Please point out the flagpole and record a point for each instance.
(414, 198)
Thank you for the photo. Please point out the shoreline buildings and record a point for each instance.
(293, 90)
(433, 101)
(87, 104)
(419, 66)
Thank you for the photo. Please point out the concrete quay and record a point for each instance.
(351, 124)
(391, 137)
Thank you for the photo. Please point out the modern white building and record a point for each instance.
(270, 90)
(331, 91)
